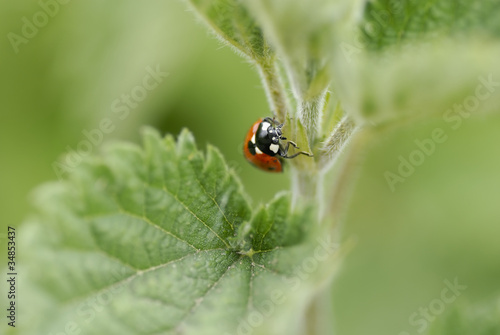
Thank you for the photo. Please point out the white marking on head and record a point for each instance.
(253, 139)
(274, 148)
(265, 125)
(257, 150)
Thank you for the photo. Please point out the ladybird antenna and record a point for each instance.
(279, 125)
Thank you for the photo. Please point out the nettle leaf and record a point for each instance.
(428, 79)
(430, 55)
(164, 241)
(302, 33)
(389, 22)
(233, 24)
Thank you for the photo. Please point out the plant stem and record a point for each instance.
(274, 88)
(319, 312)
(304, 187)
(338, 139)
(310, 114)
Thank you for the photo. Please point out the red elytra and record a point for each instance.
(259, 159)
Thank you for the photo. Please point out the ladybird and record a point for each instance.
(263, 146)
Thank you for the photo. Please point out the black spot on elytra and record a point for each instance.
(251, 148)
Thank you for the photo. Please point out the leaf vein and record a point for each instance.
(215, 202)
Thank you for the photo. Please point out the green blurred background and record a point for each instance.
(65, 79)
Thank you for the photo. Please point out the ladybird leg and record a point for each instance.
(284, 152)
(299, 153)
(292, 143)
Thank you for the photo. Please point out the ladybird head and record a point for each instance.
(274, 133)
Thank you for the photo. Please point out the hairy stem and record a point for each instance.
(310, 114)
(319, 312)
(274, 88)
(304, 187)
(338, 139)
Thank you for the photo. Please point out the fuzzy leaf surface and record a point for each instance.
(388, 22)
(233, 25)
(162, 240)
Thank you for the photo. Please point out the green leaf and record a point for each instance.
(430, 53)
(233, 24)
(303, 32)
(429, 79)
(388, 22)
(163, 240)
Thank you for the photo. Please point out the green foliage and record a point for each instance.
(303, 34)
(303, 47)
(304, 50)
(235, 26)
(161, 240)
(390, 22)
(426, 80)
